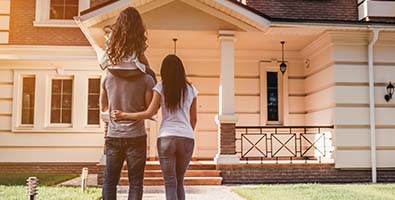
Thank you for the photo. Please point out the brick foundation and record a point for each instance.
(298, 173)
(100, 174)
(72, 168)
(227, 140)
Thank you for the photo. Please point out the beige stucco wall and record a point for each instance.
(346, 96)
(42, 143)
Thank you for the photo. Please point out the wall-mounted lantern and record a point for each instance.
(390, 92)
(283, 66)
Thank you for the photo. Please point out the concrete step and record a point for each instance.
(189, 173)
(187, 181)
(192, 166)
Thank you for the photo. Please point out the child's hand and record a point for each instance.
(117, 115)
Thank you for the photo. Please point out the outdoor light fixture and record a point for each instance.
(32, 185)
(175, 45)
(283, 66)
(390, 92)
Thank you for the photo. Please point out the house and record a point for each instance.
(326, 104)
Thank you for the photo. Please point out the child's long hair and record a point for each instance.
(128, 36)
(174, 82)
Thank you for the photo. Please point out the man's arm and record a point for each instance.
(104, 101)
(151, 111)
(148, 98)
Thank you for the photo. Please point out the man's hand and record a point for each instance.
(117, 115)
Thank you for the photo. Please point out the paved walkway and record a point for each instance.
(158, 192)
(192, 193)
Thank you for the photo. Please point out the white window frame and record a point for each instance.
(273, 66)
(17, 104)
(42, 106)
(49, 123)
(43, 13)
(87, 101)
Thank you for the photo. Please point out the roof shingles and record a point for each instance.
(308, 9)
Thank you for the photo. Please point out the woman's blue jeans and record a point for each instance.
(175, 153)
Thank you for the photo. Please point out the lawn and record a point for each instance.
(45, 179)
(50, 193)
(12, 187)
(318, 192)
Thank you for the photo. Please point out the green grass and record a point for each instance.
(13, 187)
(318, 192)
(50, 193)
(45, 179)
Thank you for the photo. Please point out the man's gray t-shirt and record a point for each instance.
(127, 94)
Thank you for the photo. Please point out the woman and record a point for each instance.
(178, 99)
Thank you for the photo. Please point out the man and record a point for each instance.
(125, 140)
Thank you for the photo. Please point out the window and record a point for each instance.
(272, 96)
(28, 93)
(61, 101)
(63, 9)
(93, 101)
(58, 13)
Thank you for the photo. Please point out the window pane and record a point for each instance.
(66, 101)
(56, 12)
(93, 117)
(63, 9)
(56, 86)
(72, 2)
(71, 12)
(28, 93)
(93, 101)
(94, 85)
(272, 96)
(61, 101)
(67, 86)
(66, 116)
(55, 116)
(57, 2)
(55, 101)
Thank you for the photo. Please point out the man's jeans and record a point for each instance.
(134, 151)
(175, 153)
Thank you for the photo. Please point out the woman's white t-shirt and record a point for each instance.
(177, 123)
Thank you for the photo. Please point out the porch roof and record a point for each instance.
(231, 11)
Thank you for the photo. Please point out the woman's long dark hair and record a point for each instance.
(128, 36)
(174, 82)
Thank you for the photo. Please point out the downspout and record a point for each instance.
(376, 32)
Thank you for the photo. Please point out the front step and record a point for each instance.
(192, 166)
(189, 173)
(187, 181)
(198, 173)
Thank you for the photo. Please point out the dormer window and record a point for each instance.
(63, 9)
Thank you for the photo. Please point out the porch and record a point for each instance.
(248, 110)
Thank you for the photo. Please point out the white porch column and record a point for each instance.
(226, 118)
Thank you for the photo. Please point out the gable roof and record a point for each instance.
(229, 10)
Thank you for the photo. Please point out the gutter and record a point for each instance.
(375, 32)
